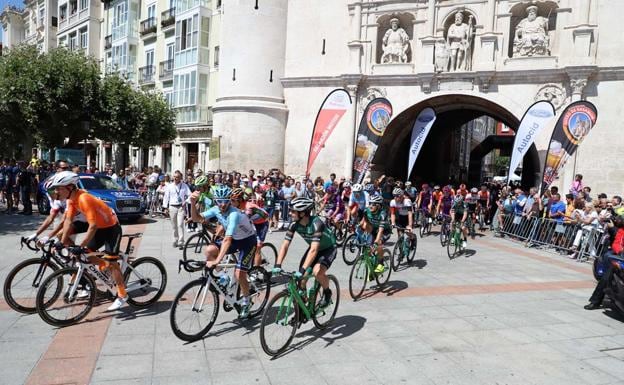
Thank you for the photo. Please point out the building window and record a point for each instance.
(216, 56)
(41, 16)
(63, 12)
(73, 7)
(84, 38)
(62, 42)
(184, 87)
(73, 42)
(120, 18)
(151, 11)
(187, 31)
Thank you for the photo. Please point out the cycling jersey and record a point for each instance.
(358, 199)
(334, 205)
(236, 224)
(95, 210)
(58, 206)
(459, 207)
(446, 204)
(411, 193)
(402, 207)
(436, 195)
(471, 202)
(257, 215)
(425, 199)
(484, 197)
(314, 231)
(377, 219)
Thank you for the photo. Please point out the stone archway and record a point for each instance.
(452, 111)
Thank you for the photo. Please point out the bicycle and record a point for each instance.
(405, 247)
(454, 245)
(292, 307)
(425, 223)
(364, 267)
(471, 226)
(195, 308)
(445, 229)
(481, 215)
(59, 292)
(21, 296)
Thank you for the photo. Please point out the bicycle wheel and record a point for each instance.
(56, 304)
(269, 254)
(412, 250)
(397, 254)
(358, 278)
(350, 250)
(145, 282)
(194, 310)
(194, 247)
(444, 234)
(383, 278)
(322, 317)
(423, 226)
(340, 234)
(452, 246)
(23, 281)
(279, 324)
(259, 289)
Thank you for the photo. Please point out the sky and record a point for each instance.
(4, 3)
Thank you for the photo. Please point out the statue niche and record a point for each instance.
(531, 35)
(454, 52)
(394, 44)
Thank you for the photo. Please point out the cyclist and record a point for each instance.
(321, 252)
(435, 198)
(260, 219)
(240, 235)
(424, 200)
(462, 190)
(375, 222)
(472, 199)
(104, 228)
(483, 203)
(357, 203)
(459, 213)
(445, 203)
(410, 191)
(333, 207)
(401, 212)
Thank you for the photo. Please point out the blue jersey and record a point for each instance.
(237, 225)
(359, 199)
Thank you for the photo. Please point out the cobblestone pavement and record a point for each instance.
(501, 315)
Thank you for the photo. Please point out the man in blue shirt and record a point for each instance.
(332, 179)
(557, 213)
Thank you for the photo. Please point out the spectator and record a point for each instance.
(588, 220)
(332, 179)
(24, 182)
(176, 194)
(577, 185)
(287, 193)
(270, 200)
(587, 191)
(557, 213)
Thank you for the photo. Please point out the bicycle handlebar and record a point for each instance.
(29, 244)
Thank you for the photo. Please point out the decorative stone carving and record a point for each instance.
(531, 37)
(553, 93)
(459, 43)
(371, 93)
(578, 86)
(395, 44)
(442, 55)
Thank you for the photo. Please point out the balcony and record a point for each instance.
(167, 18)
(108, 42)
(148, 28)
(146, 75)
(166, 70)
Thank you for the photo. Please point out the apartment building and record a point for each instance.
(79, 26)
(35, 24)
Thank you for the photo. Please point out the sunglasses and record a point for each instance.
(222, 202)
(51, 191)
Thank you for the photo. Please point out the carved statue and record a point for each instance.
(531, 37)
(459, 42)
(395, 44)
(441, 55)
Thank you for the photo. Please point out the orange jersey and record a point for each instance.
(95, 210)
(436, 196)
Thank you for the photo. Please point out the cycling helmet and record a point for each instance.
(408, 184)
(369, 187)
(301, 204)
(64, 178)
(397, 192)
(237, 193)
(425, 186)
(436, 187)
(446, 189)
(331, 190)
(201, 181)
(357, 187)
(47, 184)
(462, 186)
(248, 193)
(222, 192)
(474, 190)
(459, 197)
(375, 199)
(346, 184)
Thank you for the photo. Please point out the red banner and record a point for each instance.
(333, 108)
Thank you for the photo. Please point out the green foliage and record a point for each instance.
(50, 97)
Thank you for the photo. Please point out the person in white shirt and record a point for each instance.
(176, 194)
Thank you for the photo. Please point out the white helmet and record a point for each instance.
(375, 199)
(408, 184)
(47, 184)
(357, 187)
(64, 178)
(301, 204)
(397, 192)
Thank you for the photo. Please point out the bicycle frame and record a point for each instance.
(228, 295)
(293, 290)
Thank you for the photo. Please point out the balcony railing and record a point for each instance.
(166, 69)
(148, 26)
(167, 18)
(108, 42)
(146, 74)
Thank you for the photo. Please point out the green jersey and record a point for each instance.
(378, 219)
(315, 231)
(460, 207)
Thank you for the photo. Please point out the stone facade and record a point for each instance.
(576, 54)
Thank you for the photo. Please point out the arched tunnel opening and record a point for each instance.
(470, 141)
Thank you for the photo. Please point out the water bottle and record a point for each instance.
(224, 280)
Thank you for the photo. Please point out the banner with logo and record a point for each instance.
(533, 122)
(333, 108)
(575, 122)
(214, 148)
(373, 125)
(422, 126)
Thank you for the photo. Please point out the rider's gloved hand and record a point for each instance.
(43, 240)
(75, 250)
(58, 245)
(276, 269)
(31, 237)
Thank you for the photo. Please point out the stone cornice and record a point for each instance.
(531, 76)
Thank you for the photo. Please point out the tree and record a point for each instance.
(157, 123)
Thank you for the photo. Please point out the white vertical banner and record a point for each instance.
(536, 117)
(421, 128)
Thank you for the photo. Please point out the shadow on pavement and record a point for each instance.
(14, 223)
(418, 263)
(129, 312)
(614, 314)
(467, 253)
(389, 289)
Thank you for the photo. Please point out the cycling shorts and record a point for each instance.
(483, 203)
(109, 237)
(246, 248)
(261, 231)
(324, 257)
(402, 220)
(79, 227)
(458, 217)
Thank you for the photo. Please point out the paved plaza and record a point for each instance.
(501, 315)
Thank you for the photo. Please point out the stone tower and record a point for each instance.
(250, 114)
